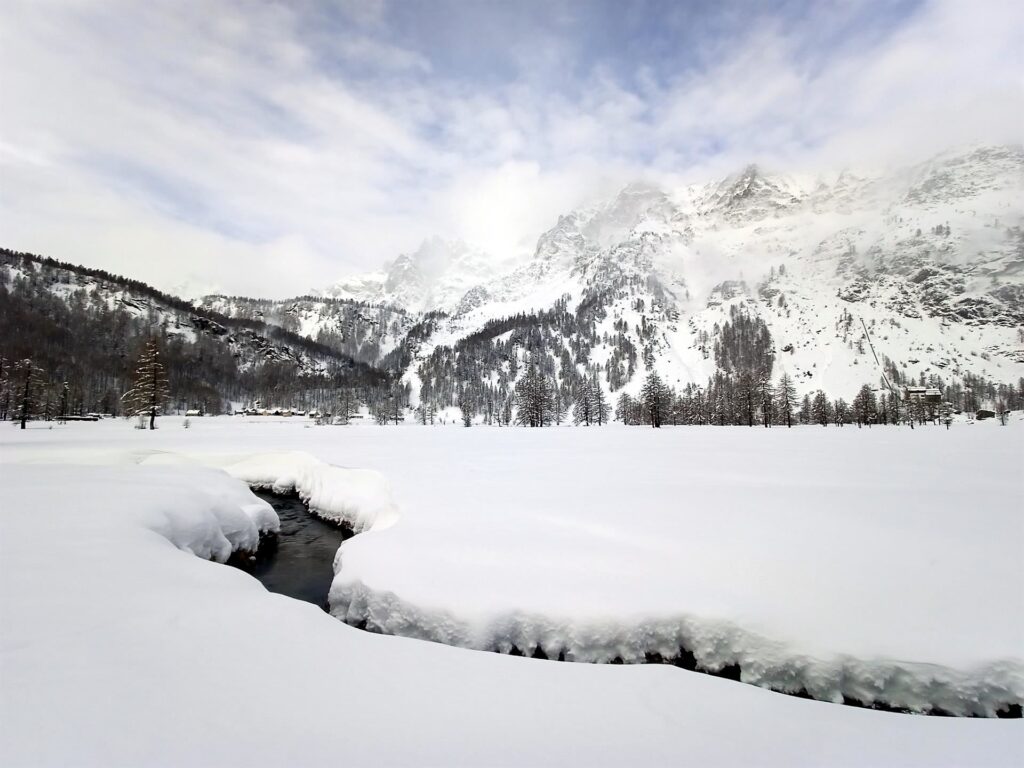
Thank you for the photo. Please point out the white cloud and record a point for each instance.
(225, 150)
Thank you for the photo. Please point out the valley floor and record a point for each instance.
(879, 564)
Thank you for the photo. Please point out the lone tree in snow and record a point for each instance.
(29, 387)
(150, 391)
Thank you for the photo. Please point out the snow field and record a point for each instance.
(880, 565)
(118, 649)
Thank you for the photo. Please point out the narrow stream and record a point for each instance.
(299, 560)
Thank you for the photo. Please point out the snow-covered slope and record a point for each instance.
(928, 261)
(365, 332)
(433, 277)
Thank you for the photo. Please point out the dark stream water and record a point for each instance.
(299, 560)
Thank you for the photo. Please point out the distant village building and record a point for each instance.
(922, 395)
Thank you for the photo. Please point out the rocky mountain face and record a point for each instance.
(913, 273)
(366, 333)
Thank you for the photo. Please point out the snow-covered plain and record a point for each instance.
(818, 549)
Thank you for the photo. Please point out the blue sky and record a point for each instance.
(268, 148)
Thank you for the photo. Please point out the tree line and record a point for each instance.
(727, 401)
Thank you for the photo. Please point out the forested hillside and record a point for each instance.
(86, 328)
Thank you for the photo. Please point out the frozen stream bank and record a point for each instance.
(300, 560)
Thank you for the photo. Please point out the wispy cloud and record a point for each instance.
(266, 149)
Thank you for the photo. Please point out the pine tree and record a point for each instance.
(946, 414)
(150, 390)
(748, 395)
(584, 404)
(466, 409)
(5, 388)
(865, 406)
(345, 406)
(425, 413)
(600, 402)
(785, 399)
(625, 408)
(841, 412)
(806, 410)
(767, 399)
(821, 409)
(558, 412)
(28, 385)
(535, 401)
(654, 398)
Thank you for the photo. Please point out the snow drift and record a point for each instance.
(119, 650)
(879, 567)
(358, 498)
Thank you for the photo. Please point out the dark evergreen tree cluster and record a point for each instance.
(83, 332)
(727, 402)
(535, 398)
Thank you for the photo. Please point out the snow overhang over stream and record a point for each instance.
(876, 566)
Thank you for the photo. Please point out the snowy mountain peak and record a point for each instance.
(751, 195)
(434, 276)
(966, 173)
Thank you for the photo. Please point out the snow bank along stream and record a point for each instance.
(487, 584)
(719, 644)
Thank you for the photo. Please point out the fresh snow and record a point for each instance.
(120, 648)
(360, 499)
(878, 564)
